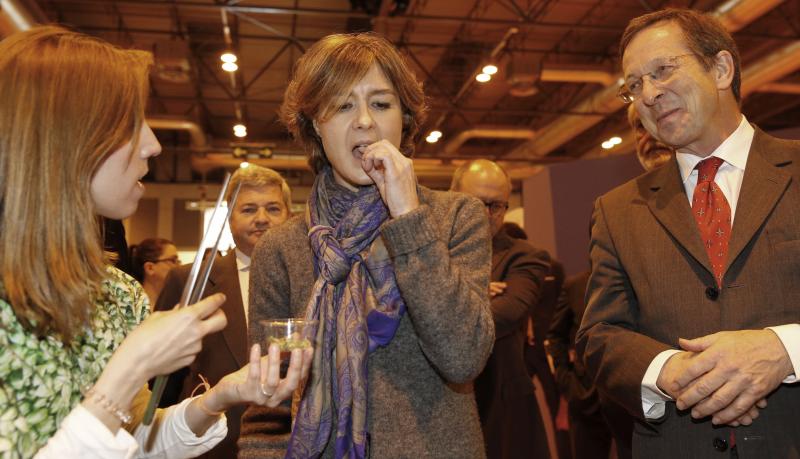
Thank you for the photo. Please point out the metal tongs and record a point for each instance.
(196, 284)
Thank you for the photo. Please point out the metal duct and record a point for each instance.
(197, 138)
(735, 14)
(486, 133)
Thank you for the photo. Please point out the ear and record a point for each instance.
(723, 69)
(148, 267)
(316, 127)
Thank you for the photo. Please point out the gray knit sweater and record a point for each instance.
(420, 401)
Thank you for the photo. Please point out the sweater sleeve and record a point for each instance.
(445, 283)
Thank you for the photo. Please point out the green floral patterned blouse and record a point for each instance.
(41, 379)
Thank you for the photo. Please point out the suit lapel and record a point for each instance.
(225, 278)
(762, 187)
(670, 206)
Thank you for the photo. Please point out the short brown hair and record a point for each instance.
(68, 101)
(705, 35)
(149, 250)
(328, 69)
(257, 176)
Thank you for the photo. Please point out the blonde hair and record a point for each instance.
(329, 69)
(258, 176)
(69, 100)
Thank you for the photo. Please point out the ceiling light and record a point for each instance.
(483, 77)
(228, 57)
(244, 165)
(607, 145)
(490, 69)
(230, 67)
(435, 134)
(615, 140)
(240, 133)
(240, 130)
(431, 139)
(239, 127)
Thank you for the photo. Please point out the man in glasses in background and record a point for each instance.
(693, 300)
(510, 419)
(264, 201)
(649, 151)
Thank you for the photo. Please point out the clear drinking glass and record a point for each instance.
(288, 334)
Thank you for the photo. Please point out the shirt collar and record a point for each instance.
(733, 150)
(242, 260)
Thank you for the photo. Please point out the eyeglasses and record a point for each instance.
(173, 260)
(664, 70)
(495, 207)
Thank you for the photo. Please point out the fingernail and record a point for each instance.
(715, 420)
(680, 405)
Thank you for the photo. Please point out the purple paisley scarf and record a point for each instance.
(358, 307)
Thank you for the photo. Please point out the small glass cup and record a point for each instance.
(288, 334)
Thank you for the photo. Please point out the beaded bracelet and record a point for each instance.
(108, 405)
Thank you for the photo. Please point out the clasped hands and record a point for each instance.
(726, 375)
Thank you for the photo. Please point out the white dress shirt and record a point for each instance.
(83, 436)
(734, 151)
(243, 266)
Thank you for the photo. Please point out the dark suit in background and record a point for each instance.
(541, 314)
(223, 352)
(509, 414)
(592, 422)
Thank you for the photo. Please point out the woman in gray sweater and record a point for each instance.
(396, 274)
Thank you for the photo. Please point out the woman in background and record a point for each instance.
(396, 274)
(151, 261)
(77, 346)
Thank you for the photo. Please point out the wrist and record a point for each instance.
(395, 213)
(214, 401)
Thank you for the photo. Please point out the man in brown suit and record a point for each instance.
(676, 327)
(509, 413)
(264, 201)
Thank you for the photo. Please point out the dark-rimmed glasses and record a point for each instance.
(495, 207)
(664, 70)
(173, 260)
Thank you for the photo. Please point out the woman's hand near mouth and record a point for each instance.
(393, 173)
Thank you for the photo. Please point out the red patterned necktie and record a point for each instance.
(713, 215)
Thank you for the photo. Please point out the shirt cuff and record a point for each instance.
(653, 399)
(218, 430)
(790, 337)
(81, 434)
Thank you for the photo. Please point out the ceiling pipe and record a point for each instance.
(17, 16)
(782, 88)
(587, 75)
(197, 138)
(771, 68)
(486, 133)
(735, 14)
(424, 168)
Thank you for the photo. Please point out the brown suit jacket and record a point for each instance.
(651, 283)
(223, 352)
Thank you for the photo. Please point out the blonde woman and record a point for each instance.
(77, 343)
